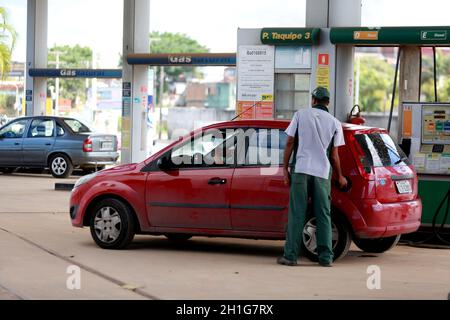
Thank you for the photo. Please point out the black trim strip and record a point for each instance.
(189, 205)
(214, 206)
(250, 207)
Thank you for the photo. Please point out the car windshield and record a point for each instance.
(379, 150)
(76, 126)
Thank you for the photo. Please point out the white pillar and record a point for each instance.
(36, 88)
(337, 13)
(136, 26)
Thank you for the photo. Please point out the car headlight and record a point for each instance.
(85, 179)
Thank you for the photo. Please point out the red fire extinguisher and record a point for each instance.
(354, 117)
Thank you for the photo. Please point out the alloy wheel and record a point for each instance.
(310, 238)
(107, 224)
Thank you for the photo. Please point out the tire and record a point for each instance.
(7, 170)
(115, 215)
(178, 237)
(60, 166)
(379, 245)
(342, 238)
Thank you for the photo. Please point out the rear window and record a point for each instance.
(379, 150)
(76, 126)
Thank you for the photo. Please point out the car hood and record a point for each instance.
(121, 168)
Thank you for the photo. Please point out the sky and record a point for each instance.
(213, 23)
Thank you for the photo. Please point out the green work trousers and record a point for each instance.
(303, 186)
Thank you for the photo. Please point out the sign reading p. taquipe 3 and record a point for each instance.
(290, 36)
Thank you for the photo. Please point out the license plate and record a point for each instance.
(403, 186)
(107, 145)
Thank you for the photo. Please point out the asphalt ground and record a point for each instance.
(40, 253)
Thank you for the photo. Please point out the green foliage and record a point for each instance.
(377, 76)
(8, 38)
(375, 83)
(7, 105)
(71, 57)
(168, 42)
(443, 80)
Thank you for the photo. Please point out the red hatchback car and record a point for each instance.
(226, 180)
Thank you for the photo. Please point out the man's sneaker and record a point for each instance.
(286, 262)
(325, 264)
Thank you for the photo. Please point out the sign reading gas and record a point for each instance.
(289, 36)
(180, 59)
(68, 73)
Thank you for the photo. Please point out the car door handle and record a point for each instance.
(48, 144)
(16, 143)
(217, 181)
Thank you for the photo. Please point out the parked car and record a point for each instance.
(60, 144)
(194, 188)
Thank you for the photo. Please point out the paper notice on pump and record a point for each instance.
(445, 163)
(433, 163)
(419, 161)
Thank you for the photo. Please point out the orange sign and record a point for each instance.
(407, 122)
(254, 110)
(365, 35)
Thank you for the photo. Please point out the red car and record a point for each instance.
(226, 180)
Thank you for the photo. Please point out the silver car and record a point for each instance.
(58, 143)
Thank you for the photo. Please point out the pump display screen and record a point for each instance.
(435, 124)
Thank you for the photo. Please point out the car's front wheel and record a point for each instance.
(112, 224)
(379, 245)
(341, 238)
(60, 166)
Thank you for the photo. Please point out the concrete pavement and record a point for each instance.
(38, 244)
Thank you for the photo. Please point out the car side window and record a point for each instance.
(214, 148)
(41, 128)
(15, 129)
(265, 147)
(59, 130)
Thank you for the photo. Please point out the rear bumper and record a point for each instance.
(98, 158)
(389, 219)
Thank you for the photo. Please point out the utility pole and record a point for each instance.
(57, 85)
(161, 92)
(57, 53)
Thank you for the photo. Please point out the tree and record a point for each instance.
(375, 83)
(7, 42)
(168, 42)
(443, 81)
(71, 57)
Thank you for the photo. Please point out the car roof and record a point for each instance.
(281, 124)
(46, 117)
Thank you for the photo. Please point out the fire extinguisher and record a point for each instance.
(354, 117)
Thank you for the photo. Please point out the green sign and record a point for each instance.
(290, 36)
(391, 36)
(439, 35)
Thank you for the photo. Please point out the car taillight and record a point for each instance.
(87, 145)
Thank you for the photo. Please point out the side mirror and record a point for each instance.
(164, 163)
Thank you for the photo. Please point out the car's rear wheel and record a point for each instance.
(7, 170)
(341, 238)
(60, 166)
(178, 236)
(379, 245)
(112, 224)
